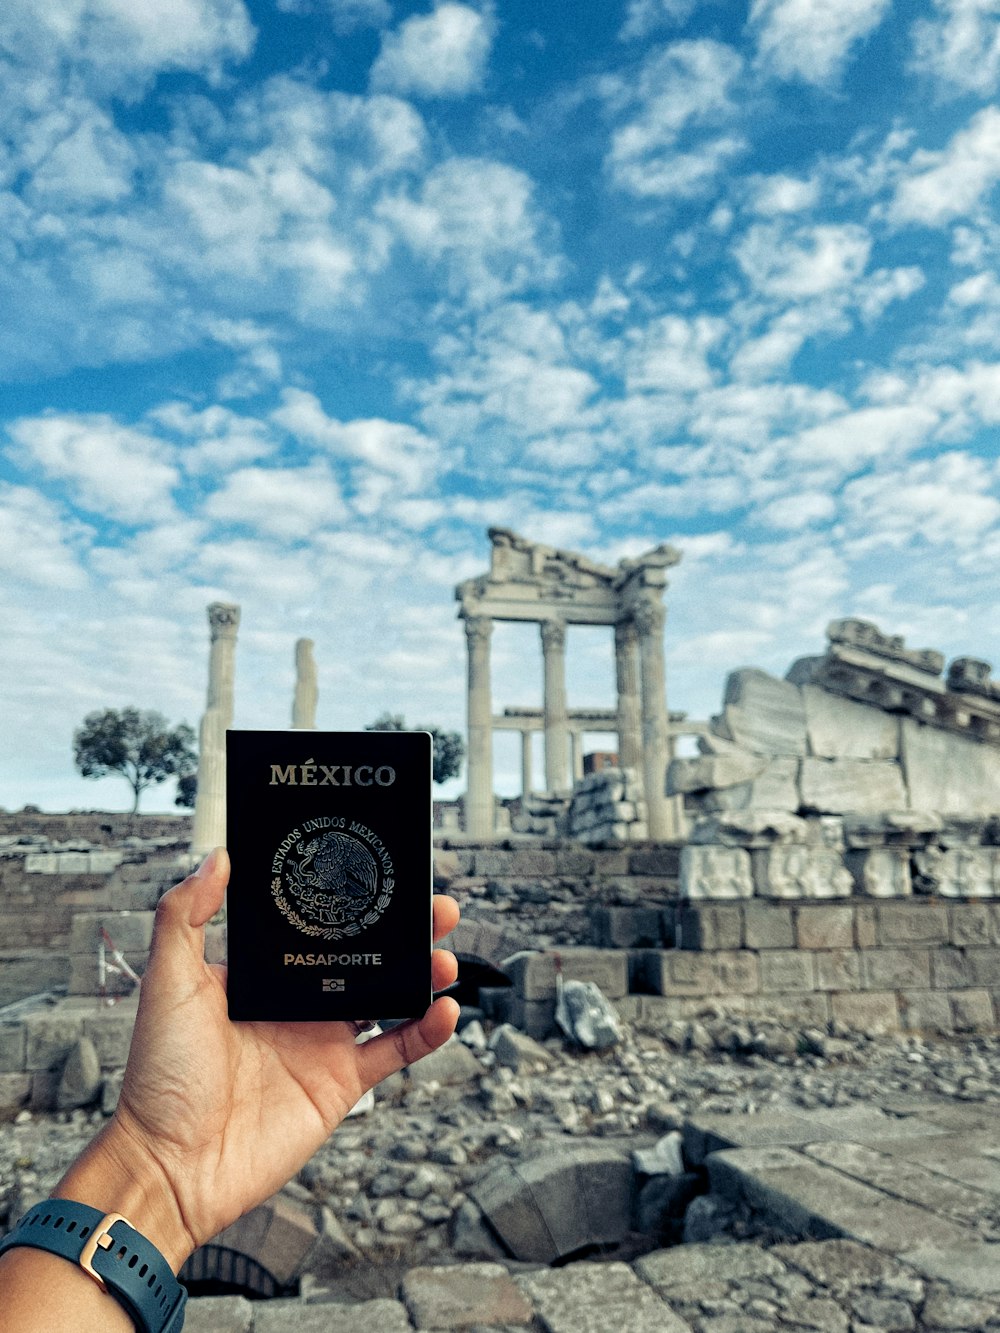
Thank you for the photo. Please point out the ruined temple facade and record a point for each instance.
(530, 582)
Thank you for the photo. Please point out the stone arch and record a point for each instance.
(264, 1252)
(555, 1205)
(482, 941)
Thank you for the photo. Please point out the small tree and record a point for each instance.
(140, 746)
(449, 748)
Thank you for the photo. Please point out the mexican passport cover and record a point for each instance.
(329, 905)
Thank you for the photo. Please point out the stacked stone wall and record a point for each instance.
(99, 828)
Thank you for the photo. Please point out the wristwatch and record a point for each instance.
(108, 1248)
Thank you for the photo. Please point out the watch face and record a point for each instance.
(329, 905)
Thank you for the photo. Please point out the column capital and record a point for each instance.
(553, 635)
(223, 620)
(478, 629)
(649, 616)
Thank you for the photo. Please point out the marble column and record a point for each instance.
(650, 618)
(479, 812)
(306, 688)
(210, 802)
(629, 708)
(554, 706)
(576, 754)
(525, 764)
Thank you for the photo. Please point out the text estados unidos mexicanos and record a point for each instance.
(331, 822)
(311, 774)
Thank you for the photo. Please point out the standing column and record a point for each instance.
(479, 813)
(650, 617)
(306, 688)
(525, 764)
(629, 710)
(576, 755)
(554, 705)
(210, 802)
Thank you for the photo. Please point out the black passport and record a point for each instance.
(329, 904)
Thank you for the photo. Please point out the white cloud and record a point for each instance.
(960, 48)
(442, 54)
(671, 144)
(811, 39)
(479, 219)
(783, 194)
(288, 503)
(944, 501)
(646, 16)
(345, 15)
(124, 42)
(952, 183)
(36, 543)
(844, 443)
(792, 513)
(671, 353)
(805, 262)
(885, 285)
(110, 469)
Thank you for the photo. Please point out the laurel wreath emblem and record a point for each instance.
(304, 872)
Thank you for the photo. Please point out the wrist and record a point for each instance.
(116, 1174)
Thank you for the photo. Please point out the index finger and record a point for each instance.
(446, 914)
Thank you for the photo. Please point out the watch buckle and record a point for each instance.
(100, 1238)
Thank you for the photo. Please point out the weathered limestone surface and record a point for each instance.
(715, 872)
(949, 773)
(839, 728)
(762, 714)
(835, 786)
(800, 872)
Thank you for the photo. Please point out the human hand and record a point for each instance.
(215, 1116)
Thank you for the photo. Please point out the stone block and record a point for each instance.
(41, 863)
(708, 772)
(800, 872)
(972, 923)
(50, 1037)
(650, 861)
(763, 714)
(775, 788)
(12, 1047)
(838, 969)
(737, 971)
(949, 773)
(44, 1086)
(926, 1011)
(967, 1266)
(843, 786)
(715, 872)
(110, 1030)
(534, 974)
(896, 969)
(678, 972)
(984, 966)
(535, 1017)
(787, 970)
(950, 969)
(627, 927)
(378, 1316)
(451, 1065)
(839, 728)
(881, 872)
(291, 1234)
(218, 1314)
(912, 923)
(958, 872)
(596, 1297)
(709, 927)
(865, 926)
(874, 1012)
(972, 1010)
(825, 927)
(459, 1296)
(80, 1080)
(692, 1265)
(899, 829)
(794, 1010)
(15, 1089)
(768, 926)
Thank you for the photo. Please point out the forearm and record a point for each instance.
(44, 1293)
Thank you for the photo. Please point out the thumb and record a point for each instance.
(182, 912)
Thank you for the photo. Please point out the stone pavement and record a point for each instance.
(895, 1210)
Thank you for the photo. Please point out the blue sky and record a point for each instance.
(297, 297)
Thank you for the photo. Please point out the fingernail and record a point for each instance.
(208, 865)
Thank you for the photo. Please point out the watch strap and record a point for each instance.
(113, 1253)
